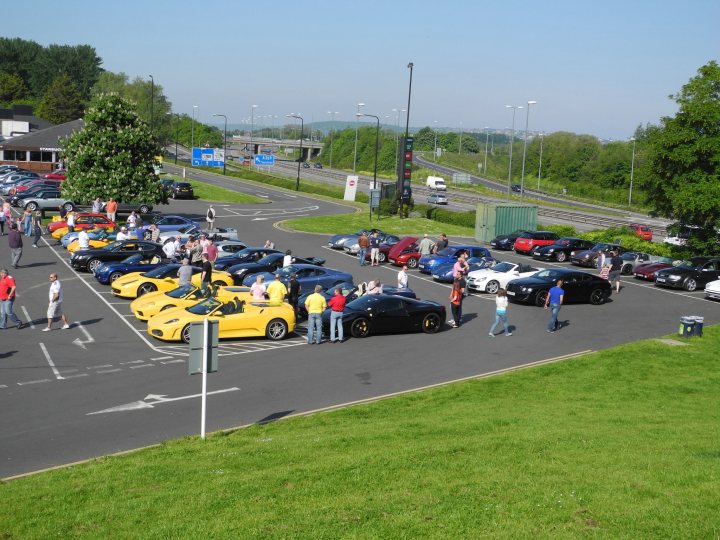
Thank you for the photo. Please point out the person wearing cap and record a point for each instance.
(425, 246)
(122, 235)
(277, 291)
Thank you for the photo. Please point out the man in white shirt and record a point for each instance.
(122, 235)
(169, 250)
(55, 306)
(402, 278)
(83, 239)
(287, 259)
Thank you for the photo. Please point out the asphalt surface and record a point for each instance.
(105, 386)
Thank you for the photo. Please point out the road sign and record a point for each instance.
(375, 198)
(200, 354)
(264, 160)
(208, 157)
(351, 184)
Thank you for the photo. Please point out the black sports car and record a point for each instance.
(269, 263)
(388, 314)
(89, 259)
(247, 255)
(561, 249)
(578, 286)
(589, 257)
(505, 241)
(689, 274)
(350, 292)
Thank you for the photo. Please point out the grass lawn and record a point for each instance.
(354, 222)
(623, 443)
(208, 192)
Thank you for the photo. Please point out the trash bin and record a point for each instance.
(687, 327)
(698, 328)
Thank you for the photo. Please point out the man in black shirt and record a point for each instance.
(616, 264)
(293, 292)
(206, 278)
(442, 243)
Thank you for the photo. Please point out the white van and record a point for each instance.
(435, 182)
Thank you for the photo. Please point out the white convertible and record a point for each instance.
(489, 280)
(712, 290)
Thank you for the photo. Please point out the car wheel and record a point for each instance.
(690, 285)
(412, 262)
(540, 298)
(360, 328)
(561, 256)
(276, 330)
(93, 264)
(382, 257)
(185, 334)
(431, 323)
(69, 207)
(144, 209)
(627, 269)
(492, 287)
(31, 206)
(597, 297)
(114, 276)
(146, 288)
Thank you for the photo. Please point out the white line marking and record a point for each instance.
(132, 362)
(179, 360)
(5, 385)
(109, 370)
(99, 367)
(157, 400)
(33, 382)
(160, 358)
(49, 361)
(27, 317)
(76, 376)
(142, 366)
(89, 338)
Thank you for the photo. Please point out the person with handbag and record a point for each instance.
(456, 300)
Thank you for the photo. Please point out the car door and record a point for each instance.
(572, 287)
(708, 272)
(391, 316)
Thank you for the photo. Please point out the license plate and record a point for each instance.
(660, 279)
(511, 293)
(421, 266)
(391, 260)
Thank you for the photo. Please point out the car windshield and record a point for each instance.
(503, 267)
(182, 291)
(269, 259)
(629, 256)
(447, 252)
(599, 246)
(364, 302)
(549, 275)
(288, 270)
(132, 259)
(187, 229)
(160, 271)
(113, 246)
(687, 264)
(244, 252)
(563, 242)
(525, 234)
(204, 307)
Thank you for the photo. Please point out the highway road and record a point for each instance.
(105, 386)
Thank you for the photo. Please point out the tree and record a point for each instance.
(61, 102)
(12, 88)
(684, 156)
(79, 62)
(17, 57)
(113, 156)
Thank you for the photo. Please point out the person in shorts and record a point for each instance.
(616, 264)
(55, 306)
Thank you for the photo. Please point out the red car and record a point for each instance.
(405, 252)
(648, 271)
(643, 231)
(84, 221)
(529, 241)
(37, 181)
(56, 175)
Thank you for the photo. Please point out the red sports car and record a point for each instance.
(84, 221)
(648, 271)
(405, 252)
(56, 175)
(643, 231)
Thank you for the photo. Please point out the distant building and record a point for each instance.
(19, 120)
(38, 150)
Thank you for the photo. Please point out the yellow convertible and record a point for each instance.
(163, 278)
(184, 296)
(102, 240)
(236, 319)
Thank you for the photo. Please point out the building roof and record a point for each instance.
(46, 139)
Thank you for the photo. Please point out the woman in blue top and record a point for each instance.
(554, 300)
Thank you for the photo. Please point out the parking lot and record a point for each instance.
(104, 385)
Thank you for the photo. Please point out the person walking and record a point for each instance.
(111, 209)
(7, 298)
(210, 217)
(374, 249)
(277, 291)
(456, 300)
(294, 293)
(501, 304)
(554, 299)
(258, 289)
(2, 221)
(402, 278)
(37, 227)
(337, 306)
(185, 273)
(55, 306)
(616, 264)
(600, 262)
(315, 304)
(27, 222)
(70, 220)
(132, 221)
(206, 277)
(363, 244)
(425, 246)
(15, 243)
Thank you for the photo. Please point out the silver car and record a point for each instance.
(46, 200)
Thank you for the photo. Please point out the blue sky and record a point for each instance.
(593, 67)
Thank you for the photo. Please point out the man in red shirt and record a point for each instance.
(337, 305)
(7, 298)
(212, 252)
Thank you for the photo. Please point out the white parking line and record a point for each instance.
(49, 361)
(110, 370)
(33, 382)
(28, 319)
(76, 376)
(142, 366)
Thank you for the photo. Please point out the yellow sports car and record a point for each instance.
(184, 296)
(163, 278)
(236, 319)
(102, 240)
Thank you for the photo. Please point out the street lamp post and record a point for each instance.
(177, 124)
(632, 172)
(332, 115)
(252, 127)
(487, 138)
(377, 144)
(435, 143)
(522, 175)
(512, 139)
(407, 132)
(356, 135)
(224, 141)
(302, 127)
(152, 99)
(542, 136)
(192, 128)
(460, 146)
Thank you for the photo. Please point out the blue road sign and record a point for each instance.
(208, 157)
(264, 159)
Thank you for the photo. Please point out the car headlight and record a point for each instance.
(674, 277)
(526, 289)
(481, 278)
(572, 253)
(550, 250)
(587, 256)
(172, 321)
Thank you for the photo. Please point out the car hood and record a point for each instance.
(531, 281)
(652, 267)
(584, 252)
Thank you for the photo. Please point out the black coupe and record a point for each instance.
(561, 249)
(689, 274)
(269, 263)
(89, 259)
(578, 286)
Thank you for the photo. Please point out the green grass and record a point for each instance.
(617, 444)
(392, 224)
(208, 192)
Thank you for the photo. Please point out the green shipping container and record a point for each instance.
(492, 220)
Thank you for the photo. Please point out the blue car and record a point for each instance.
(173, 222)
(98, 234)
(108, 272)
(247, 255)
(444, 272)
(427, 263)
(308, 276)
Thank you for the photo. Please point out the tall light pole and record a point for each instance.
(224, 141)
(175, 117)
(512, 139)
(632, 171)
(152, 99)
(377, 144)
(192, 128)
(356, 135)
(522, 175)
(407, 131)
(252, 127)
(332, 116)
(487, 138)
(435, 143)
(302, 127)
(542, 136)
(397, 131)
(460, 146)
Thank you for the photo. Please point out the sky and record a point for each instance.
(601, 68)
